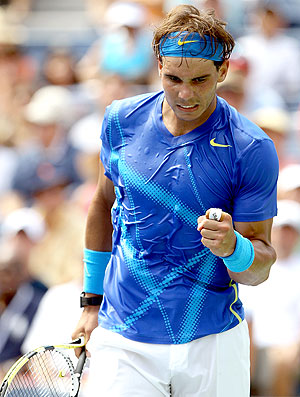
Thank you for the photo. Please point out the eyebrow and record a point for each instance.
(194, 78)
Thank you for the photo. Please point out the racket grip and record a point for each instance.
(215, 214)
(81, 362)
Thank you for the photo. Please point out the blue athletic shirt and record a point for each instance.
(162, 285)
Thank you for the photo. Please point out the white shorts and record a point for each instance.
(213, 366)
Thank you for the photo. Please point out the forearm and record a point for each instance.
(258, 272)
(98, 234)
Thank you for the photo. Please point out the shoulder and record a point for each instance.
(130, 106)
(245, 134)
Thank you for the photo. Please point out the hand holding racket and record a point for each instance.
(46, 371)
(217, 232)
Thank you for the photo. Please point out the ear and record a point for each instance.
(222, 72)
(159, 66)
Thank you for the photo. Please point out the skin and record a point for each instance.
(187, 83)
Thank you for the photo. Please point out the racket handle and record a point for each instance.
(79, 368)
(81, 362)
(215, 214)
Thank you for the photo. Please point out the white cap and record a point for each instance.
(274, 119)
(121, 13)
(10, 32)
(85, 135)
(288, 214)
(24, 219)
(49, 104)
(289, 178)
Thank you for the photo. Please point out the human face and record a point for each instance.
(190, 89)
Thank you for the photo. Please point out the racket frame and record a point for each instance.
(19, 364)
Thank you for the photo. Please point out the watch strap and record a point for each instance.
(90, 301)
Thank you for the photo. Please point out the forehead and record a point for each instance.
(187, 66)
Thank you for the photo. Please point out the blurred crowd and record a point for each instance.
(52, 100)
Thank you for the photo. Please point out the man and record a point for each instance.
(171, 322)
(275, 317)
(20, 291)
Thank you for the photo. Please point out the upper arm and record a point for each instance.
(99, 227)
(105, 188)
(260, 230)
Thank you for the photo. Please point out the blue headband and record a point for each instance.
(191, 45)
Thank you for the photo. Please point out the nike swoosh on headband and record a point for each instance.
(186, 41)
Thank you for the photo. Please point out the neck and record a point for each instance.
(178, 126)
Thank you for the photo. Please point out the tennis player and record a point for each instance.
(171, 322)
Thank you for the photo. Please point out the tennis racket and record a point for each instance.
(45, 372)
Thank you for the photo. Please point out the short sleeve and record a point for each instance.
(256, 176)
(105, 154)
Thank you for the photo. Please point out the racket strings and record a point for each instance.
(47, 374)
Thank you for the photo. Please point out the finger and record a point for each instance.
(210, 234)
(84, 338)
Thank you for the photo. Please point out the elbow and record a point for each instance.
(257, 273)
(261, 272)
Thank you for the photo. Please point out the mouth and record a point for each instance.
(187, 108)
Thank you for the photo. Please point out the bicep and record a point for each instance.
(105, 188)
(98, 226)
(260, 230)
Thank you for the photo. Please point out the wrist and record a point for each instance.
(90, 300)
(242, 257)
(95, 263)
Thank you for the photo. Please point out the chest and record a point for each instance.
(189, 169)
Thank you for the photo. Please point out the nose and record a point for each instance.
(185, 92)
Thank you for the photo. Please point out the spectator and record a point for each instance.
(48, 158)
(123, 47)
(17, 71)
(273, 56)
(8, 155)
(20, 291)
(53, 258)
(276, 124)
(85, 134)
(59, 67)
(235, 90)
(289, 182)
(274, 310)
(232, 89)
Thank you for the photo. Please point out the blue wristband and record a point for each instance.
(95, 263)
(242, 257)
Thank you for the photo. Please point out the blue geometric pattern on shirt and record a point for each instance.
(145, 305)
(140, 273)
(159, 194)
(196, 300)
(151, 189)
(138, 266)
(192, 179)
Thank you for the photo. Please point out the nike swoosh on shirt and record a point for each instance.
(186, 41)
(213, 143)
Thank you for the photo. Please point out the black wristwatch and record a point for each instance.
(90, 301)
